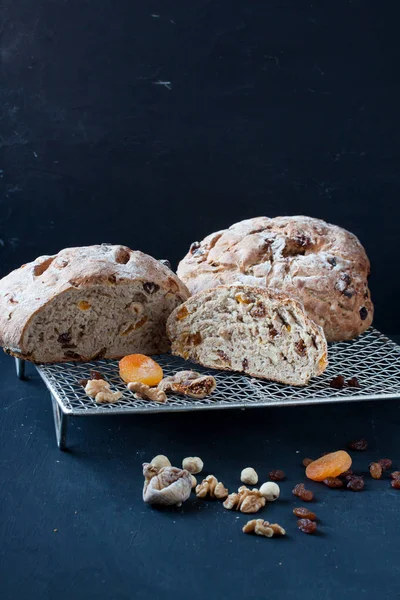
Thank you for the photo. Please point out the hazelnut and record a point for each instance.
(249, 476)
(270, 490)
(193, 464)
(160, 461)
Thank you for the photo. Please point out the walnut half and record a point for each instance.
(99, 389)
(260, 527)
(145, 392)
(245, 500)
(210, 486)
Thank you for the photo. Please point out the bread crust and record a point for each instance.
(322, 265)
(27, 290)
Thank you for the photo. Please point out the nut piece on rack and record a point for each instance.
(249, 476)
(260, 527)
(245, 500)
(270, 490)
(168, 485)
(189, 383)
(144, 392)
(99, 389)
(193, 464)
(211, 487)
(160, 461)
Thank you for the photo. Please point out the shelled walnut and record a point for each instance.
(99, 389)
(144, 392)
(260, 527)
(245, 500)
(210, 486)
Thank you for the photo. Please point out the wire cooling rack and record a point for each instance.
(372, 358)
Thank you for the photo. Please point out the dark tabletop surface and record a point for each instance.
(73, 524)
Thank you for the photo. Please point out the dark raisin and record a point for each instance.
(356, 484)
(353, 382)
(361, 444)
(304, 513)
(96, 375)
(376, 470)
(363, 313)
(332, 261)
(300, 491)
(194, 247)
(100, 354)
(65, 339)
(307, 461)
(395, 475)
(83, 382)
(258, 311)
(307, 526)
(349, 477)
(71, 354)
(245, 364)
(112, 279)
(276, 475)
(333, 482)
(122, 256)
(348, 473)
(348, 294)
(301, 348)
(395, 483)
(272, 331)
(223, 356)
(385, 463)
(150, 287)
(345, 277)
(337, 382)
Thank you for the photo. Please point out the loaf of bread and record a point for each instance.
(88, 303)
(322, 265)
(253, 330)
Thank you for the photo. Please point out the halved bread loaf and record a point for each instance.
(242, 328)
(88, 303)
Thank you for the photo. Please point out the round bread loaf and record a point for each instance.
(322, 265)
(88, 303)
(242, 328)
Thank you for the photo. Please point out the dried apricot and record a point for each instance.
(330, 465)
(141, 368)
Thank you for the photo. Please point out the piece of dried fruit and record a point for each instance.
(361, 444)
(189, 383)
(307, 526)
(346, 473)
(96, 375)
(333, 482)
(83, 382)
(276, 475)
(140, 368)
(376, 470)
(395, 483)
(385, 463)
(337, 382)
(330, 465)
(395, 475)
(300, 491)
(353, 382)
(307, 461)
(304, 513)
(356, 483)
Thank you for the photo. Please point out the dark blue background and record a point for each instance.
(274, 107)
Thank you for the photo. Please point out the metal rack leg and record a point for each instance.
(60, 424)
(20, 368)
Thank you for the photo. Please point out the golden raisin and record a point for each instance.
(385, 463)
(141, 368)
(395, 475)
(182, 313)
(376, 470)
(304, 513)
(300, 491)
(330, 465)
(242, 299)
(307, 526)
(83, 305)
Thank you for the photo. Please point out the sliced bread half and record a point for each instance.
(253, 330)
